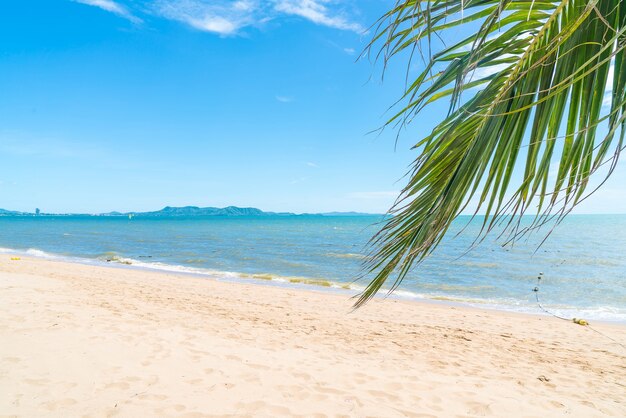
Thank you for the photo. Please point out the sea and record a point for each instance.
(582, 263)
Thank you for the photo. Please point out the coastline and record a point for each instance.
(100, 341)
(319, 284)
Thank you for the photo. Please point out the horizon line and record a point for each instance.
(18, 212)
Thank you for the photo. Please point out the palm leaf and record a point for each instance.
(526, 88)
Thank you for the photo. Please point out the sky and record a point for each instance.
(133, 105)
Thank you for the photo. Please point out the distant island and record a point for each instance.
(188, 211)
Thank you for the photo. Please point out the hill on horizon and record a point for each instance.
(173, 211)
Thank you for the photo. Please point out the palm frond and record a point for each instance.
(528, 87)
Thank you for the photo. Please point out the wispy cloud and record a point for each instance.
(483, 72)
(113, 7)
(221, 17)
(285, 99)
(317, 12)
(349, 51)
(227, 17)
(312, 164)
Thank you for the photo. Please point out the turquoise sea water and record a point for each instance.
(583, 261)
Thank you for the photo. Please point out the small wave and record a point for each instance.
(175, 268)
(296, 280)
(33, 252)
(598, 313)
(38, 253)
(408, 294)
(111, 257)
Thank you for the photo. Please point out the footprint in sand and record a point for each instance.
(259, 366)
(589, 404)
(152, 397)
(60, 404)
(194, 415)
(383, 395)
(209, 370)
(37, 382)
(557, 404)
(480, 409)
(117, 385)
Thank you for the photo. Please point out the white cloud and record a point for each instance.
(311, 164)
(224, 18)
(228, 18)
(285, 99)
(482, 72)
(244, 5)
(391, 194)
(317, 12)
(113, 7)
(349, 51)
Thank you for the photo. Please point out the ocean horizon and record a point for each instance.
(581, 263)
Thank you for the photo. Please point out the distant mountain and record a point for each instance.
(189, 211)
(170, 211)
(4, 212)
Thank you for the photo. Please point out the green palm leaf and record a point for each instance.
(528, 87)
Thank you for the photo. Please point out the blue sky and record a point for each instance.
(134, 105)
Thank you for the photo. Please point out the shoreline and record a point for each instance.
(101, 341)
(300, 283)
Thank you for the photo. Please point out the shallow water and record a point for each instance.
(583, 260)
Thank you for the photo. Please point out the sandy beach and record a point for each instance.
(80, 340)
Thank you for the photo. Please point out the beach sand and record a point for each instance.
(80, 340)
